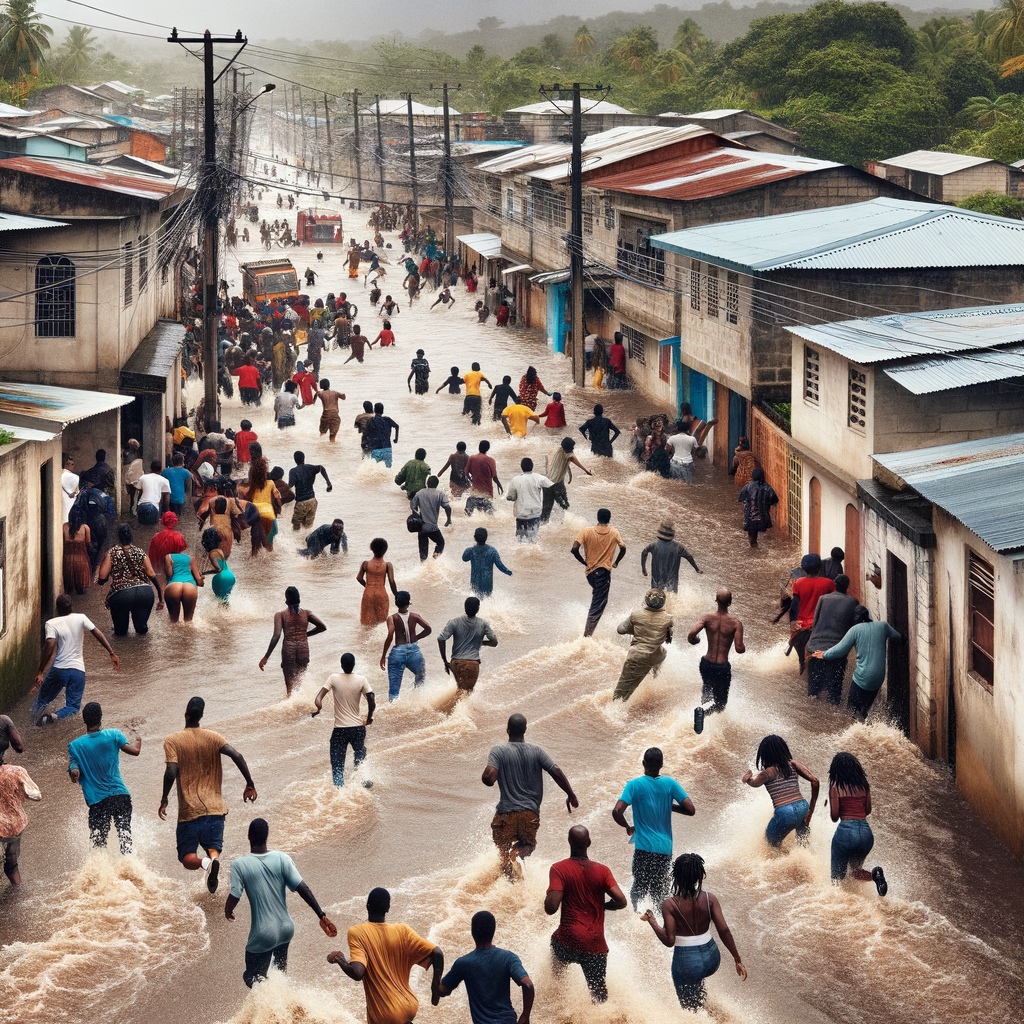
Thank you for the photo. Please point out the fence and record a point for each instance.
(782, 469)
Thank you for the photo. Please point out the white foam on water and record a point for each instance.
(281, 1001)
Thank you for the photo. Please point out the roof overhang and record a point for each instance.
(150, 364)
(518, 269)
(45, 407)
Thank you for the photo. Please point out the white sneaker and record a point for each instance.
(206, 863)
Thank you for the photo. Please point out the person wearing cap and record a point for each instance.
(651, 627)
(666, 554)
(808, 589)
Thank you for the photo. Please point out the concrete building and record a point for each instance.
(69, 97)
(550, 120)
(947, 177)
(744, 126)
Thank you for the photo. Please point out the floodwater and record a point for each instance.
(100, 938)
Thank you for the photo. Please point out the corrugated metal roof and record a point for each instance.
(593, 277)
(517, 269)
(28, 433)
(879, 234)
(483, 244)
(903, 335)
(390, 108)
(148, 366)
(980, 483)
(944, 373)
(715, 114)
(710, 173)
(17, 222)
(588, 105)
(931, 162)
(128, 183)
(50, 404)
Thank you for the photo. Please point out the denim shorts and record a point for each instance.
(690, 966)
(207, 831)
(851, 843)
(785, 819)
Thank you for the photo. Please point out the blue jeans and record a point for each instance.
(381, 455)
(690, 966)
(850, 845)
(785, 819)
(340, 740)
(148, 513)
(71, 681)
(402, 657)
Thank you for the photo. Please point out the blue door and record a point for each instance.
(737, 420)
(699, 395)
(558, 298)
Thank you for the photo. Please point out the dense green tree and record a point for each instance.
(994, 203)
(635, 51)
(24, 39)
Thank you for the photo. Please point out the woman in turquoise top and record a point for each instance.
(183, 581)
(225, 578)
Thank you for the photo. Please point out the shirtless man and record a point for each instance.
(330, 418)
(405, 630)
(715, 671)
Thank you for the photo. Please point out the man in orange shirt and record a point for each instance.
(516, 419)
(472, 402)
(599, 544)
(382, 955)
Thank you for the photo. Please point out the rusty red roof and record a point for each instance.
(713, 172)
(129, 183)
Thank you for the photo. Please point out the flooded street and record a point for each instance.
(98, 938)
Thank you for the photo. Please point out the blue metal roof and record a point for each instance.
(980, 483)
(876, 235)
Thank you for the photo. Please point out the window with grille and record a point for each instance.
(529, 206)
(712, 291)
(636, 256)
(665, 362)
(510, 204)
(129, 286)
(981, 610)
(636, 344)
(589, 214)
(812, 375)
(609, 217)
(732, 297)
(55, 297)
(695, 285)
(143, 264)
(858, 404)
(549, 205)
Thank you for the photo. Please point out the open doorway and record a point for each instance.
(898, 615)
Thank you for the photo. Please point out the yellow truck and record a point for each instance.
(264, 280)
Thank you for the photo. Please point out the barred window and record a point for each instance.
(712, 291)
(589, 214)
(812, 375)
(858, 404)
(732, 297)
(510, 204)
(695, 285)
(609, 217)
(636, 256)
(55, 297)
(981, 602)
(529, 206)
(636, 344)
(549, 206)
(665, 362)
(143, 264)
(129, 287)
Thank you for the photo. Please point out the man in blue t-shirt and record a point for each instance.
(178, 477)
(487, 972)
(93, 764)
(653, 797)
(265, 876)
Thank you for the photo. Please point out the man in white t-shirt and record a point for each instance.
(588, 347)
(64, 635)
(527, 491)
(349, 727)
(154, 496)
(69, 485)
(681, 465)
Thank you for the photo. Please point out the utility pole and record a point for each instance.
(579, 361)
(359, 172)
(449, 184)
(330, 159)
(174, 117)
(272, 152)
(210, 198)
(412, 170)
(233, 134)
(380, 155)
(302, 114)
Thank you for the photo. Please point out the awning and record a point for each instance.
(43, 406)
(150, 364)
(486, 245)
(592, 277)
(519, 268)
(28, 433)
(670, 341)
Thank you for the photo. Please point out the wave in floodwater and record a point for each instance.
(119, 922)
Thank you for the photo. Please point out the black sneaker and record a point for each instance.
(878, 877)
(211, 878)
(698, 719)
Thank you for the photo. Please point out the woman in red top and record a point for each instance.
(529, 385)
(386, 336)
(554, 414)
(849, 802)
(501, 317)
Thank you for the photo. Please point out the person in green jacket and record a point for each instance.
(871, 640)
(412, 477)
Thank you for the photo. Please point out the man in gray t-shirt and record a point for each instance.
(427, 504)
(468, 633)
(517, 767)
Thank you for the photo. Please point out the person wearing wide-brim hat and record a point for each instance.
(651, 627)
(666, 554)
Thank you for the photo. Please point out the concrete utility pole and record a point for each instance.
(380, 154)
(210, 194)
(330, 159)
(359, 170)
(579, 360)
(412, 170)
(449, 183)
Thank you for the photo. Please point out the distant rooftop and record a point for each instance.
(18, 222)
(564, 106)
(129, 183)
(931, 162)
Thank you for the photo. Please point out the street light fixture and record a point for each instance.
(269, 87)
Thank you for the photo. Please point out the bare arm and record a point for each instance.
(250, 788)
(12, 734)
(619, 816)
(552, 901)
(815, 787)
(278, 626)
(318, 626)
(726, 936)
(105, 643)
(325, 922)
(361, 575)
(739, 638)
(318, 700)
(49, 650)
(490, 775)
(563, 784)
(416, 620)
(391, 578)
(694, 635)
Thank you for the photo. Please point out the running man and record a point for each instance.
(654, 798)
(527, 491)
(265, 876)
(330, 418)
(193, 763)
(377, 433)
(599, 543)
(64, 635)
(557, 468)
(16, 786)
(715, 671)
(301, 478)
(577, 887)
(349, 728)
(421, 371)
(382, 955)
(93, 764)
(517, 767)
(484, 559)
(468, 634)
(503, 396)
(650, 626)
(472, 402)
(482, 473)
(871, 640)
(487, 972)
(406, 653)
(598, 430)
(666, 554)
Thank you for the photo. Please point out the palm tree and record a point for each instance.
(688, 38)
(671, 65)
(583, 41)
(79, 48)
(637, 47)
(1009, 28)
(988, 112)
(23, 38)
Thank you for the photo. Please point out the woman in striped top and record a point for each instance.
(781, 775)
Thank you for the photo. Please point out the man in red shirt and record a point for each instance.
(249, 384)
(306, 383)
(243, 439)
(617, 361)
(811, 586)
(482, 472)
(578, 887)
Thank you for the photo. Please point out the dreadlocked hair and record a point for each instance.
(688, 875)
(773, 752)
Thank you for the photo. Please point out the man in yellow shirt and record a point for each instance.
(517, 418)
(599, 544)
(472, 401)
(382, 955)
